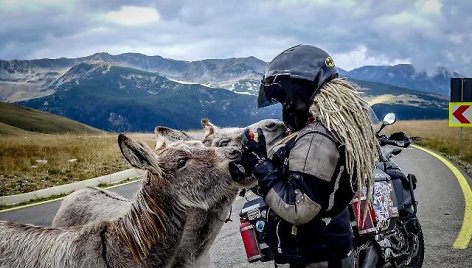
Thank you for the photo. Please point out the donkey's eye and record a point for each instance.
(223, 143)
(181, 163)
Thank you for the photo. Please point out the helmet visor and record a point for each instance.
(271, 93)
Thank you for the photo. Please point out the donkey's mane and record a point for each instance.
(140, 227)
(145, 222)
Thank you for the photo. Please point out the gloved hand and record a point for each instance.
(254, 150)
(237, 171)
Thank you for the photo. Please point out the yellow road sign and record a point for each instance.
(460, 114)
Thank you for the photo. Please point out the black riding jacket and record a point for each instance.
(307, 189)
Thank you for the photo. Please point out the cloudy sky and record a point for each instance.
(426, 33)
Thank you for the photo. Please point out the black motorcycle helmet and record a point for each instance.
(293, 78)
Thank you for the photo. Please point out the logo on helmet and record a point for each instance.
(329, 62)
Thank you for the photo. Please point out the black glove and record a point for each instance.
(237, 171)
(251, 145)
(254, 152)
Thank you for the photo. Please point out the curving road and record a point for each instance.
(441, 213)
(440, 209)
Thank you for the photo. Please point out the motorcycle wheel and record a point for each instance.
(415, 260)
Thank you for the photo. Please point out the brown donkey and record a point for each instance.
(203, 226)
(148, 232)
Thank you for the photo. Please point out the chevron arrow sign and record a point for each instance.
(460, 114)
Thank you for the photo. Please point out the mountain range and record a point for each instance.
(26, 79)
(135, 92)
(23, 79)
(125, 99)
(405, 75)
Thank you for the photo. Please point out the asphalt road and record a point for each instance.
(441, 211)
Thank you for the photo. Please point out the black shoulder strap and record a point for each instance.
(289, 145)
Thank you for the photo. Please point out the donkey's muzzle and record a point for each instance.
(233, 154)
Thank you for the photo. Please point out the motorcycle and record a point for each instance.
(386, 231)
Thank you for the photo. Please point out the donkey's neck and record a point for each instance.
(200, 232)
(153, 226)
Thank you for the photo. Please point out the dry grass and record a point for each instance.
(96, 156)
(99, 155)
(437, 135)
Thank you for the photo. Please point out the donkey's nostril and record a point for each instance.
(270, 125)
(233, 154)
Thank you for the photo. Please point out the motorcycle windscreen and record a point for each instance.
(373, 117)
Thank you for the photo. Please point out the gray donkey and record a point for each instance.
(148, 232)
(203, 226)
(273, 129)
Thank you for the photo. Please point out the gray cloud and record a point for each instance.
(426, 33)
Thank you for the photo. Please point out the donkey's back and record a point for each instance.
(90, 205)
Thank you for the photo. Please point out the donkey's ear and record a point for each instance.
(138, 155)
(162, 139)
(186, 137)
(208, 127)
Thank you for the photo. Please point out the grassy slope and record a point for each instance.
(437, 135)
(11, 130)
(27, 119)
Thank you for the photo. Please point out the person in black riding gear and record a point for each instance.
(308, 179)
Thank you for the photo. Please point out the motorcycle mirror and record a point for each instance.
(389, 119)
